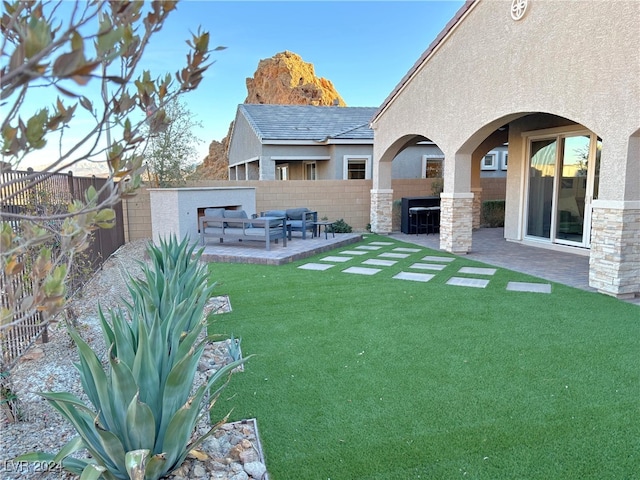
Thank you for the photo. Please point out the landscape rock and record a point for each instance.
(255, 469)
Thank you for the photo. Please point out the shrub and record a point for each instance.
(340, 226)
(144, 407)
(493, 213)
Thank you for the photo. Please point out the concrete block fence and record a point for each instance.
(349, 200)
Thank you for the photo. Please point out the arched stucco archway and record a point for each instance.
(381, 193)
(462, 90)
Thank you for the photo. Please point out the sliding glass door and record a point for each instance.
(563, 177)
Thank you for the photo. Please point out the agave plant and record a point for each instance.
(144, 407)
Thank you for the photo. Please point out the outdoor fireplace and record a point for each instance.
(175, 211)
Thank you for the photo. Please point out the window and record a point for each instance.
(489, 162)
(357, 168)
(432, 166)
(504, 161)
(310, 171)
(282, 171)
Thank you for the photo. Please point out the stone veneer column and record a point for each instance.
(381, 211)
(477, 207)
(456, 222)
(614, 261)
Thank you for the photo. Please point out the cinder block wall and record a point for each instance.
(493, 188)
(349, 200)
(137, 216)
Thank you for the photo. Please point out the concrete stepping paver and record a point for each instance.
(529, 287)
(408, 250)
(368, 247)
(468, 282)
(316, 266)
(416, 277)
(433, 258)
(428, 266)
(333, 258)
(386, 244)
(362, 270)
(478, 271)
(381, 263)
(353, 252)
(394, 255)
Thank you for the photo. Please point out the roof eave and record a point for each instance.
(311, 141)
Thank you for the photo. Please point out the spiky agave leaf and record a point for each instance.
(119, 334)
(177, 389)
(114, 452)
(92, 472)
(84, 422)
(136, 462)
(145, 366)
(73, 465)
(123, 390)
(140, 430)
(178, 432)
(93, 378)
(157, 466)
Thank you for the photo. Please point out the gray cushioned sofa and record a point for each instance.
(235, 225)
(298, 219)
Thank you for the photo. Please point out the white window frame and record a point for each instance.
(282, 171)
(434, 158)
(505, 159)
(493, 165)
(352, 158)
(314, 167)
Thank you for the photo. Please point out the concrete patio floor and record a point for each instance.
(296, 249)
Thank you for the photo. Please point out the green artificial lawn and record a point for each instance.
(370, 377)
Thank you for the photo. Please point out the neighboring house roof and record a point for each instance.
(427, 53)
(308, 122)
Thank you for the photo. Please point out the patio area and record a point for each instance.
(296, 249)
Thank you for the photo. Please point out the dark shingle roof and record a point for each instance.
(308, 122)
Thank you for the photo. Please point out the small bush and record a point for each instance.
(340, 226)
(493, 213)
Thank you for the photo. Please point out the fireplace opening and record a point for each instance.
(202, 209)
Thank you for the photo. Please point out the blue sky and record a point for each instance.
(363, 47)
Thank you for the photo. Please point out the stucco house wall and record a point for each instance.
(243, 144)
(555, 42)
(488, 71)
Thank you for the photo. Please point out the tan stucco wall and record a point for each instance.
(579, 60)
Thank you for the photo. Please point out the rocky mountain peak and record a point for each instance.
(286, 79)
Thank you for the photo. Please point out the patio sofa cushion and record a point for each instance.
(214, 212)
(274, 213)
(296, 213)
(235, 214)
